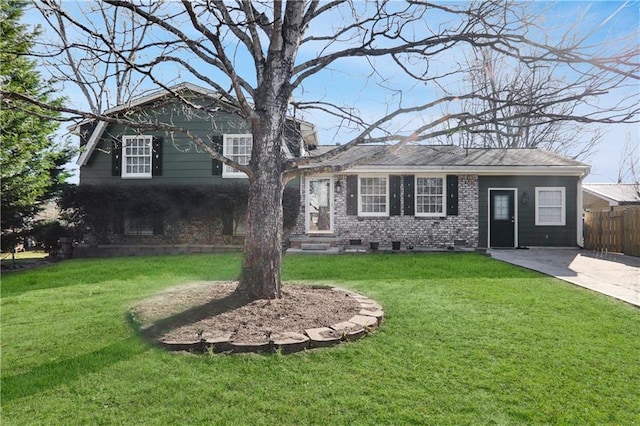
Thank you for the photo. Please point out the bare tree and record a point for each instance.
(82, 61)
(262, 58)
(629, 164)
(522, 106)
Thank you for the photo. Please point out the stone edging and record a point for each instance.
(366, 321)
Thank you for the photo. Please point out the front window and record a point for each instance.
(550, 206)
(429, 196)
(238, 149)
(373, 196)
(136, 156)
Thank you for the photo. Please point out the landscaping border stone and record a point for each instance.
(368, 319)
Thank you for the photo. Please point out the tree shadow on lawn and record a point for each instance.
(192, 315)
(54, 374)
(58, 275)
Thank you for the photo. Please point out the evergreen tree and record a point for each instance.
(31, 164)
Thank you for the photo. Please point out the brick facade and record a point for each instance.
(428, 232)
(204, 230)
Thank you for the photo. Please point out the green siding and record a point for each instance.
(182, 161)
(528, 233)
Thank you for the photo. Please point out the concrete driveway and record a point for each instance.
(615, 275)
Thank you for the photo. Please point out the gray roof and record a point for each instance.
(448, 157)
(621, 193)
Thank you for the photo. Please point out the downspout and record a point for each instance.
(580, 210)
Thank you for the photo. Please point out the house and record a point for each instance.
(610, 196)
(426, 196)
(149, 191)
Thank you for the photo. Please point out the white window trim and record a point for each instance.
(331, 207)
(563, 207)
(124, 174)
(226, 173)
(444, 196)
(373, 214)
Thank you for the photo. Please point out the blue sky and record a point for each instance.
(609, 20)
(600, 20)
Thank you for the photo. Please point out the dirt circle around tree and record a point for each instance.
(213, 317)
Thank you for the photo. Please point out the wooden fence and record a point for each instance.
(616, 231)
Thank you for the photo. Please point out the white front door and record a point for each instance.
(319, 206)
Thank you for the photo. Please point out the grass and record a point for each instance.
(467, 339)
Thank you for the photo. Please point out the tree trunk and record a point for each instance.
(260, 277)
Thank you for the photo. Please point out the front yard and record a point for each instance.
(466, 339)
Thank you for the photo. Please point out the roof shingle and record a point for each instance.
(446, 156)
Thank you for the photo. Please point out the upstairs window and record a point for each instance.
(136, 156)
(236, 148)
(550, 206)
(430, 197)
(373, 196)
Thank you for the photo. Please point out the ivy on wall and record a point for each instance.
(97, 207)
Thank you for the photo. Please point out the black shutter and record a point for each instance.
(158, 223)
(156, 156)
(216, 166)
(409, 205)
(227, 223)
(352, 195)
(394, 195)
(116, 158)
(452, 195)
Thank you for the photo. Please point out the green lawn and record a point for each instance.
(466, 339)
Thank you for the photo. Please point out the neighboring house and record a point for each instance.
(444, 196)
(612, 217)
(610, 196)
(146, 187)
